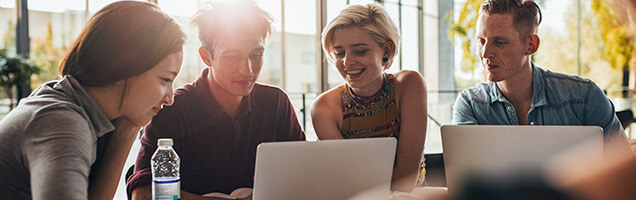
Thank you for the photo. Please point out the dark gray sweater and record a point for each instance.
(48, 143)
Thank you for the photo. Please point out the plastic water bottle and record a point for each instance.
(166, 181)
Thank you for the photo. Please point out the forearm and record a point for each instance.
(406, 169)
(104, 185)
(410, 145)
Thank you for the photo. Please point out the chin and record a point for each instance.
(492, 78)
(243, 91)
(142, 122)
(355, 84)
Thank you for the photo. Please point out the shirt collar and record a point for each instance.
(70, 86)
(538, 87)
(212, 106)
(495, 93)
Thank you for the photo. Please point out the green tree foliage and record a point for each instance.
(8, 38)
(14, 70)
(617, 36)
(47, 56)
(464, 29)
(558, 50)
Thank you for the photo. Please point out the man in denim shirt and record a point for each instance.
(521, 93)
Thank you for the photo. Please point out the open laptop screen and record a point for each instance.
(496, 151)
(328, 169)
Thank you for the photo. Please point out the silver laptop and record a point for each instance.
(328, 169)
(495, 151)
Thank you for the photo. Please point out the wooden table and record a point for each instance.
(428, 193)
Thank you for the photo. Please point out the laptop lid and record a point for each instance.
(328, 169)
(496, 151)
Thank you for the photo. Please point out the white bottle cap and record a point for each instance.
(165, 142)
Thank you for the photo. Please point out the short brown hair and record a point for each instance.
(525, 13)
(122, 40)
(213, 18)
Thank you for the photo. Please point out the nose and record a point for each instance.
(487, 51)
(168, 99)
(348, 60)
(246, 67)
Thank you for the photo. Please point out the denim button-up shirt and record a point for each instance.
(557, 99)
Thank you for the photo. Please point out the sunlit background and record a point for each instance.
(572, 41)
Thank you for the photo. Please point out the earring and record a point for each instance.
(385, 59)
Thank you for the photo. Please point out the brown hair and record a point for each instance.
(219, 17)
(525, 13)
(122, 40)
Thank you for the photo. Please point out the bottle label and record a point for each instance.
(166, 190)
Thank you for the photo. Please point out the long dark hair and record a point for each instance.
(122, 40)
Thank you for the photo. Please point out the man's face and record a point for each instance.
(501, 51)
(236, 63)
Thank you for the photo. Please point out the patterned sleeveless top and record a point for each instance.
(374, 116)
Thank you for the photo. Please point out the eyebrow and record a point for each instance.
(172, 72)
(231, 51)
(353, 45)
(493, 38)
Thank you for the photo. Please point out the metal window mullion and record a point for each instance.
(22, 29)
(578, 38)
(400, 29)
(321, 19)
(283, 67)
(420, 36)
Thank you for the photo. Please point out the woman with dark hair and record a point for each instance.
(70, 138)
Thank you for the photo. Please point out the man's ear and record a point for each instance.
(206, 56)
(533, 44)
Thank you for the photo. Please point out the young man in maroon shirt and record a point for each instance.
(217, 121)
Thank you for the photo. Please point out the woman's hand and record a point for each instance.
(104, 185)
(124, 126)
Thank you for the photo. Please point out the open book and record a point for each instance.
(236, 194)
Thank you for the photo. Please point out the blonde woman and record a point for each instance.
(361, 42)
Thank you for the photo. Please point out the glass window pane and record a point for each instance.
(300, 47)
(333, 9)
(393, 10)
(360, 2)
(192, 64)
(409, 43)
(8, 20)
(301, 64)
(52, 28)
(558, 47)
(272, 63)
(178, 8)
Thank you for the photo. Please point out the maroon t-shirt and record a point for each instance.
(217, 154)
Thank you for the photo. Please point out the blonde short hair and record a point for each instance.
(370, 17)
